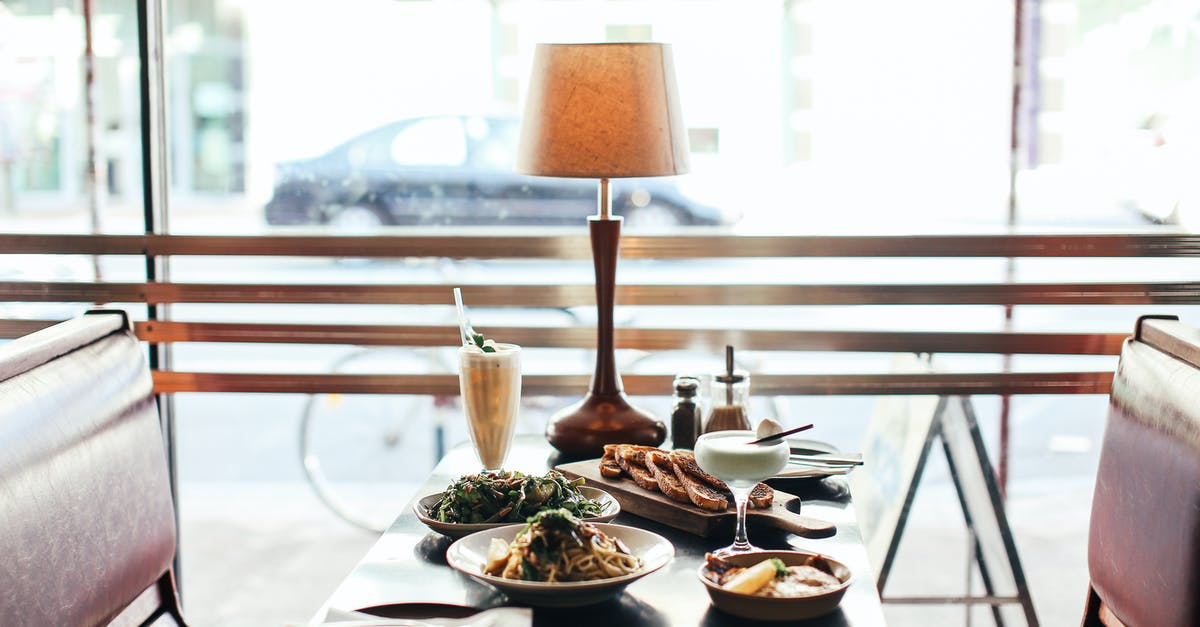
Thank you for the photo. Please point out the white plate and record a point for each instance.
(469, 554)
(609, 508)
(811, 447)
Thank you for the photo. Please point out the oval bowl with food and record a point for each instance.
(557, 560)
(475, 503)
(775, 585)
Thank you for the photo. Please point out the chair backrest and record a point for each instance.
(1144, 540)
(87, 523)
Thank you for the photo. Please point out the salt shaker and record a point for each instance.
(730, 398)
(685, 413)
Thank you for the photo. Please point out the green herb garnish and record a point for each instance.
(780, 568)
(511, 496)
(479, 341)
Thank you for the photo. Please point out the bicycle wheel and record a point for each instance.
(366, 454)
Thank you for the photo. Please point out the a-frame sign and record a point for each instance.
(899, 440)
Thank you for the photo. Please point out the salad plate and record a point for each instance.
(469, 555)
(423, 508)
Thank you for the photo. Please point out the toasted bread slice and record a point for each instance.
(660, 465)
(609, 467)
(761, 496)
(638, 472)
(685, 461)
(699, 493)
(641, 476)
(634, 453)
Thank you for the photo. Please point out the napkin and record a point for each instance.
(495, 617)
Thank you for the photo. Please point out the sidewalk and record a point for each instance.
(259, 554)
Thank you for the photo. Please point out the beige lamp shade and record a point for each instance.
(602, 111)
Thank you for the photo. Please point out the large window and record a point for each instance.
(808, 116)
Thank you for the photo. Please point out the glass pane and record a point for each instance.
(786, 135)
(1114, 104)
(53, 123)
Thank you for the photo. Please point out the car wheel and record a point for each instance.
(652, 217)
(356, 219)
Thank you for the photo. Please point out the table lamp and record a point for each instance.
(602, 111)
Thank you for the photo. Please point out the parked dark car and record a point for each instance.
(457, 170)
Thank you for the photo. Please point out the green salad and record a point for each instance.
(510, 496)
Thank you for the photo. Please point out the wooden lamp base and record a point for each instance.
(582, 429)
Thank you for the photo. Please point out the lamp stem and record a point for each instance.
(606, 238)
(604, 209)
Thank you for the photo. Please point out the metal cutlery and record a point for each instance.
(826, 460)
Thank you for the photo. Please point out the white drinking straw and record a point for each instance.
(464, 327)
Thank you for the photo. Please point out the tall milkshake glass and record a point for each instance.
(491, 391)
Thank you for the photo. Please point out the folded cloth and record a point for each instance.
(495, 617)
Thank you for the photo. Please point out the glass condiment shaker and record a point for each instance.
(729, 402)
(685, 413)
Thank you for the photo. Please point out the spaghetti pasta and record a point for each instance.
(557, 546)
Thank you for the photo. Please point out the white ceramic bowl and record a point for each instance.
(469, 554)
(777, 608)
(609, 510)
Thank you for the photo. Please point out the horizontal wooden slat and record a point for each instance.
(584, 337)
(562, 296)
(649, 385)
(10, 329)
(574, 244)
(358, 335)
(936, 383)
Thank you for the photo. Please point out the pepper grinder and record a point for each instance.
(730, 398)
(685, 414)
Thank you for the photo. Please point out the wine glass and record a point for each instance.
(490, 383)
(730, 457)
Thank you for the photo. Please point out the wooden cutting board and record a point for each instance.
(687, 517)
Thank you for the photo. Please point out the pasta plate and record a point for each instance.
(469, 554)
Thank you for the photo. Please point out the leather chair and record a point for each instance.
(1144, 539)
(87, 523)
